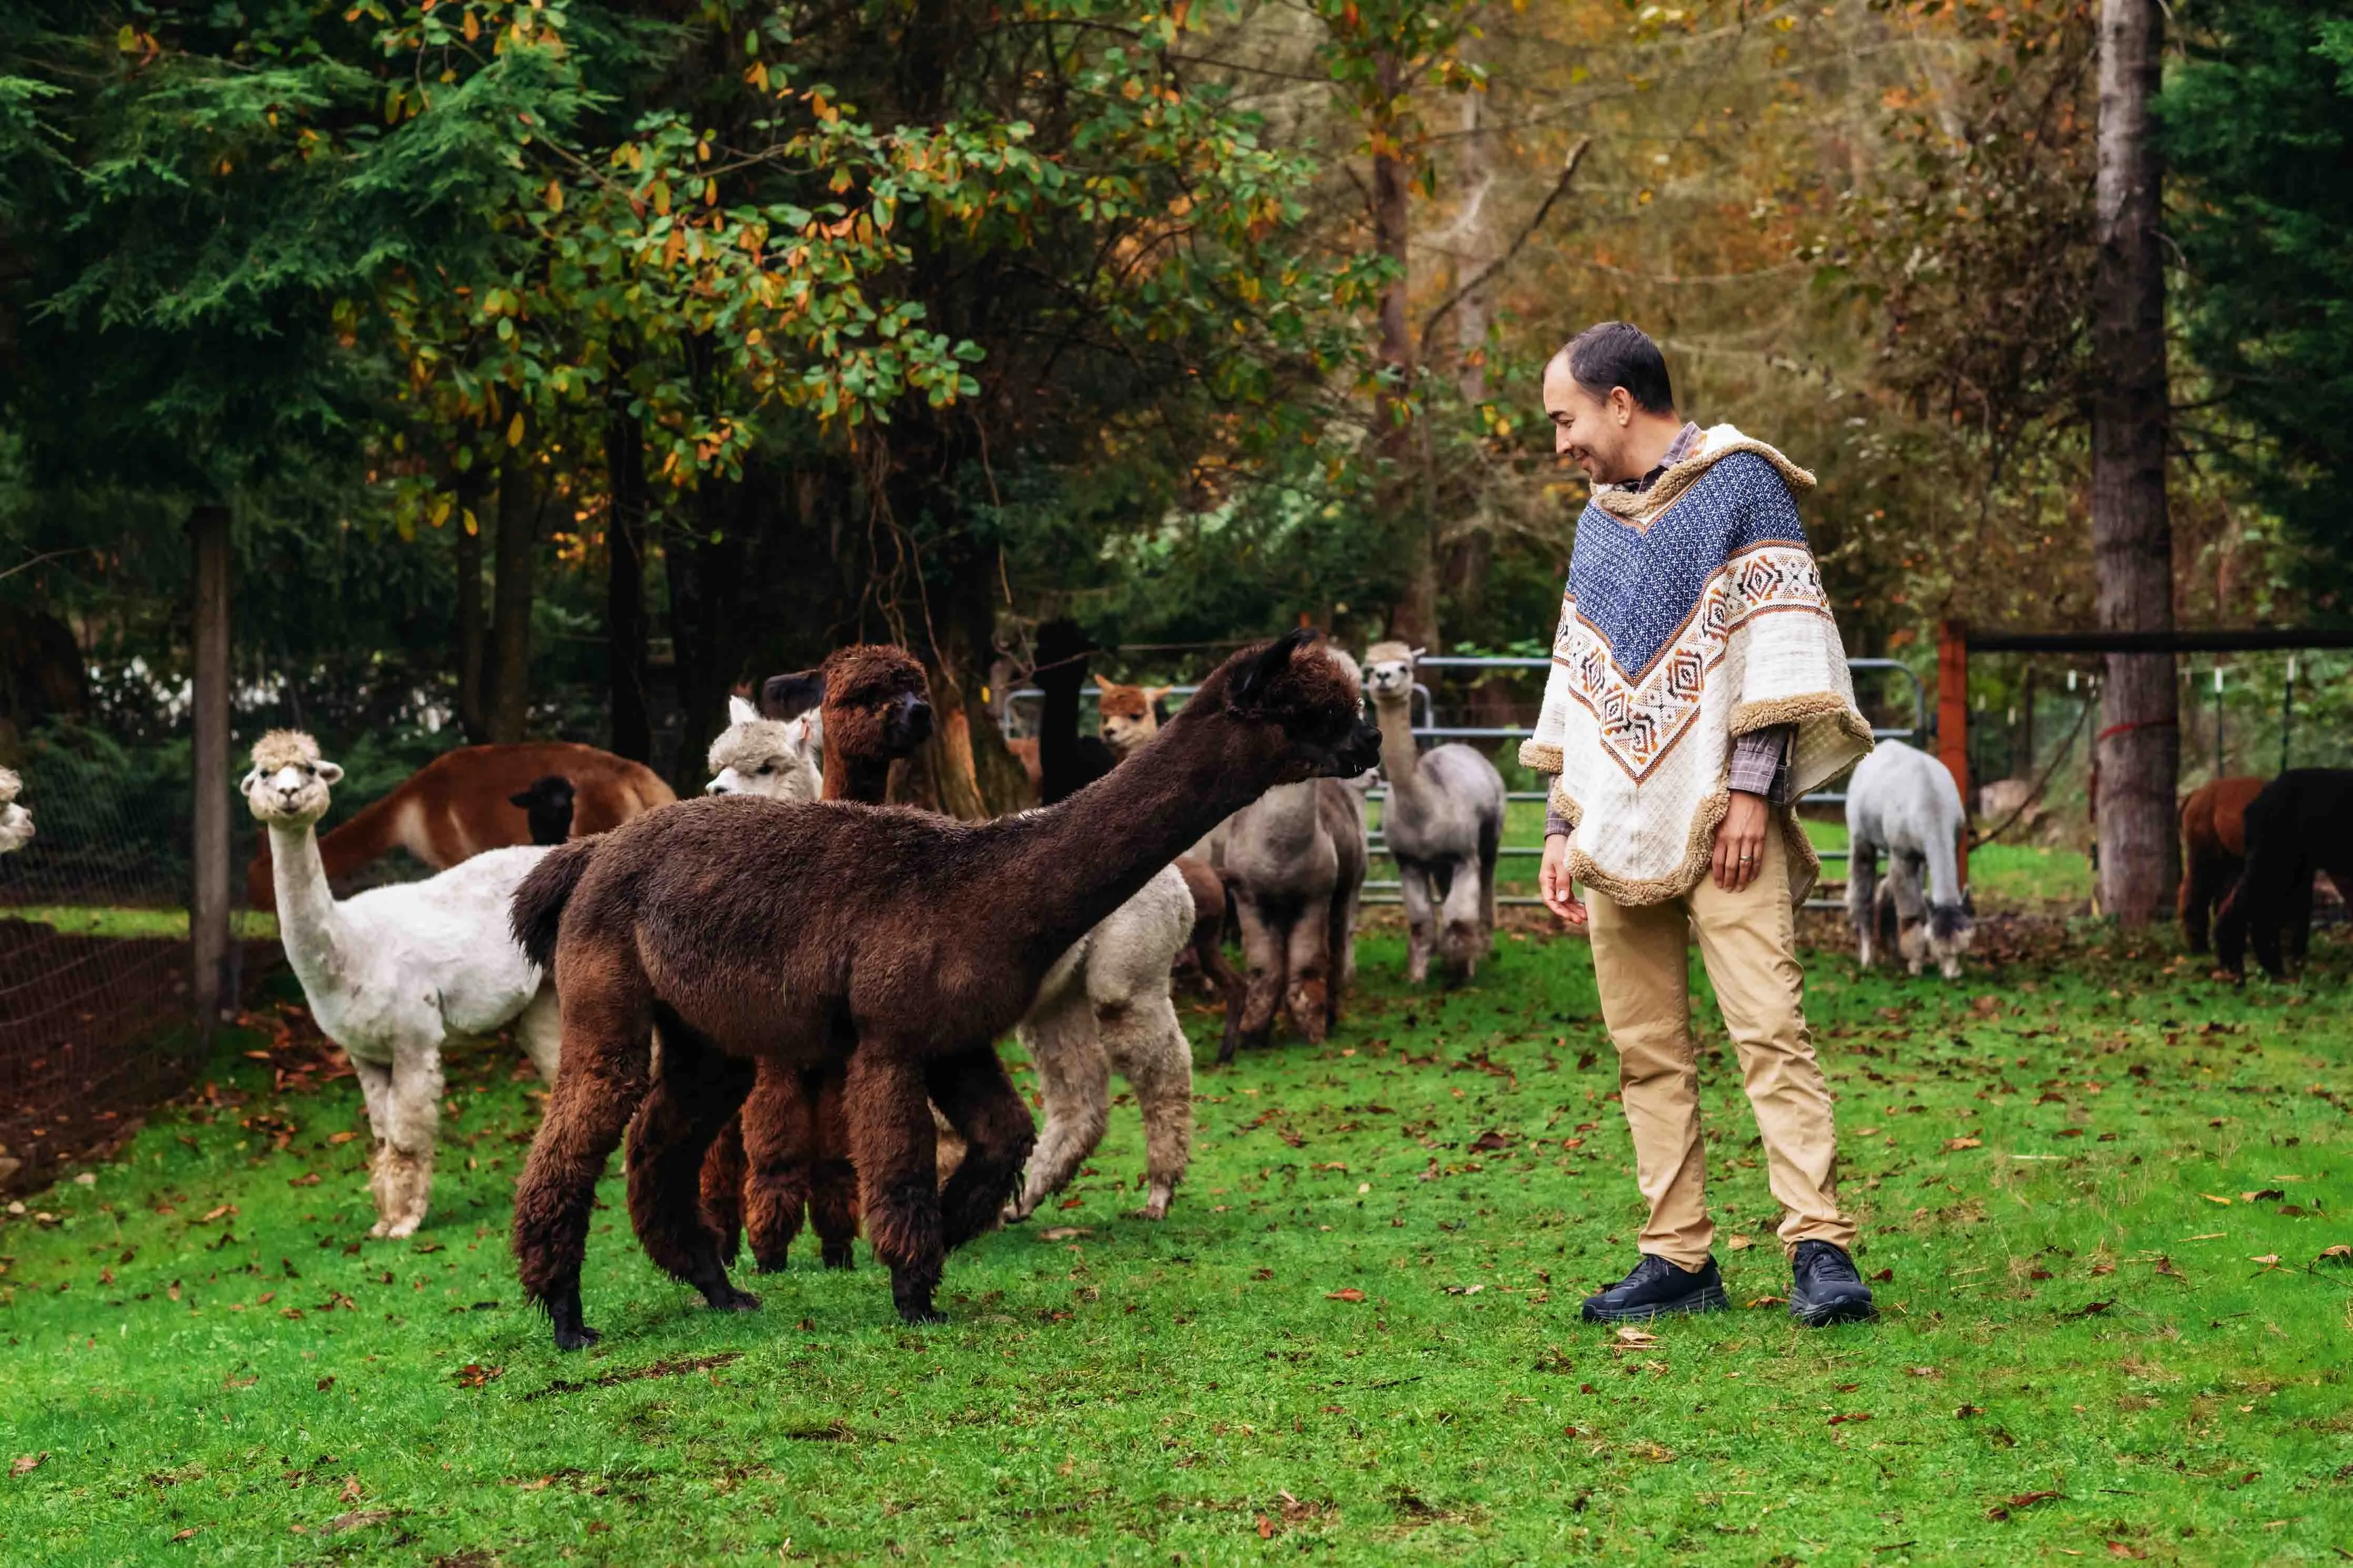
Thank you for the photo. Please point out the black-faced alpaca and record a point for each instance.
(548, 803)
(788, 1155)
(900, 943)
(2302, 824)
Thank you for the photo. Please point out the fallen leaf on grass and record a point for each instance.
(1769, 1300)
(2270, 1261)
(1741, 1243)
(1063, 1232)
(1966, 1411)
(2002, 1510)
(215, 1214)
(2211, 1198)
(359, 1520)
(308, 1179)
(1265, 1527)
(185, 1535)
(1069, 1203)
(26, 1464)
(2092, 1308)
(342, 1137)
(1850, 1418)
(1490, 1141)
(1954, 1145)
(2118, 1549)
(2264, 1196)
(1657, 1453)
(1635, 1339)
(1884, 1277)
(2340, 1254)
(1350, 1294)
(473, 1374)
(325, 1384)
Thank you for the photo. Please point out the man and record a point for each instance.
(1698, 687)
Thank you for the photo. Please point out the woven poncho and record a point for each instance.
(1694, 613)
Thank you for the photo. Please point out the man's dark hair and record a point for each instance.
(1619, 353)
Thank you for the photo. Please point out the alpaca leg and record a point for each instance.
(1149, 1046)
(973, 1091)
(539, 1030)
(1262, 957)
(1309, 961)
(1463, 936)
(698, 1091)
(779, 1143)
(833, 1180)
(2231, 927)
(726, 1171)
(1342, 946)
(2201, 883)
(606, 1046)
(1209, 950)
(1862, 897)
(1413, 890)
(405, 1158)
(896, 1152)
(1075, 1076)
(375, 1090)
(2297, 910)
(1911, 911)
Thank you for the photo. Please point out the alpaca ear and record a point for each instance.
(331, 772)
(1269, 665)
(1102, 685)
(740, 711)
(1153, 694)
(1418, 655)
(245, 786)
(523, 800)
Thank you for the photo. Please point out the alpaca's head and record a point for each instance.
(10, 786)
(771, 757)
(288, 783)
(548, 803)
(1128, 715)
(1952, 931)
(1299, 704)
(877, 706)
(1388, 672)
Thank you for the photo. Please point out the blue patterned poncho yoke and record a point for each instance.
(1693, 612)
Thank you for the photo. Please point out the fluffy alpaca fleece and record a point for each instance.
(2300, 824)
(16, 821)
(394, 973)
(462, 803)
(1903, 803)
(896, 941)
(1295, 859)
(1443, 823)
(2213, 853)
(771, 757)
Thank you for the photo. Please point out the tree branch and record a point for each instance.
(1559, 188)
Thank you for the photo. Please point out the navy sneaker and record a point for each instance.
(1826, 1288)
(1655, 1290)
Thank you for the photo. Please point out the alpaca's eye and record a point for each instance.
(767, 767)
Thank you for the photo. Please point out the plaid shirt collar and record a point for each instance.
(1686, 442)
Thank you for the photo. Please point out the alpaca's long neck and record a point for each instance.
(310, 922)
(846, 777)
(1400, 754)
(1063, 869)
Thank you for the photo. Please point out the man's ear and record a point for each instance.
(1264, 670)
(331, 772)
(790, 696)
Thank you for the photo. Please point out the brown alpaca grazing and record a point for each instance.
(899, 942)
(2299, 825)
(789, 1153)
(463, 802)
(2213, 853)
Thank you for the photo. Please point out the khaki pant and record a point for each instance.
(1748, 941)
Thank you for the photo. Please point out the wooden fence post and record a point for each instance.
(1952, 718)
(208, 912)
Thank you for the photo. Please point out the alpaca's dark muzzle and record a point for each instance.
(909, 724)
(1361, 755)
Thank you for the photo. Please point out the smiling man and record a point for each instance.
(1698, 688)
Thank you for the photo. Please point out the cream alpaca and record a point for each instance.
(394, 973)
(16, 821)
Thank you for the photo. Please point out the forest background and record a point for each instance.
(560, 365)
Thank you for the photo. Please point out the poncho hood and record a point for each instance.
(1694, 612)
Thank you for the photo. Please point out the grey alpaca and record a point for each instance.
(1443, 823)
(1295, 859)
(1903, 803)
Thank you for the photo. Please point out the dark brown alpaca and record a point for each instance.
(899, 942)
(789, 1153)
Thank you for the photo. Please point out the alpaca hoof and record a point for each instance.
(380, 1229)
(837, 1254)
(405, 1228)
(724, 1298)
(578, 1337)
(1155, 1206)
(922, 1317)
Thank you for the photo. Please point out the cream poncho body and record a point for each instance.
(1694, 612)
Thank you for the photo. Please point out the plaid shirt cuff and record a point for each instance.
(1760, 762)
(1556, 826)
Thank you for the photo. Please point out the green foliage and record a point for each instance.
(2258, 134)
(211, 1363)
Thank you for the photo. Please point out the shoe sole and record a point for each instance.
(1711, 1300)
(1840, 1312)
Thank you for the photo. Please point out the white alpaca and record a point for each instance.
(16, 821)
(779, 758)
(394, 972)
(1903, 802)
(1443, 824)
(1104, 1005)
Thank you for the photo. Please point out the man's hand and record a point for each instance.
(1739, 842)
(1552, 881)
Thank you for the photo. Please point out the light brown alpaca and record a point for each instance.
(461, 803)
(897, 942)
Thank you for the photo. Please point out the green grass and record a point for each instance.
(213, 1365)
(114, 920)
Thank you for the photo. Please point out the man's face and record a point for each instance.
(1594, 433)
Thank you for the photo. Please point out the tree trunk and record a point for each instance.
(625, 581)
(2138, 753)
(1415, 617)
(466, 539)
(212, 956)
(511, 597)
(1469, 548)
